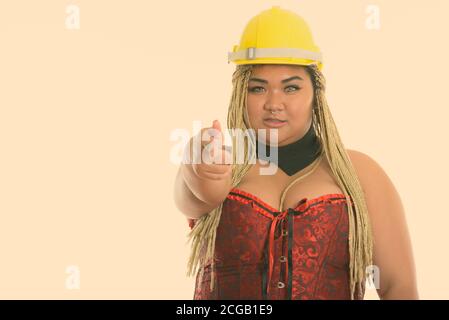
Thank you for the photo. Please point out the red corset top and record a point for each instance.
(263, 253)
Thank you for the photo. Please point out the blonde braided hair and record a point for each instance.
(203, 234)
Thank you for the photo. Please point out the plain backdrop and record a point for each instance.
(86, 115)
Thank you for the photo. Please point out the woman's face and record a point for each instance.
(286, 90)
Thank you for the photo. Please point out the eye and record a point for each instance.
(296, 87)
(253, 89)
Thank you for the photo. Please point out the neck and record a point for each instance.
(294, 156)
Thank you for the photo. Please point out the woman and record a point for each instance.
(314, 228)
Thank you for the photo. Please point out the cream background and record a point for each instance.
(86, 116)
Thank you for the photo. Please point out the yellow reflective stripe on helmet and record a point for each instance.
(254, 53)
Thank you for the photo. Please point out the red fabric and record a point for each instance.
(252, 236)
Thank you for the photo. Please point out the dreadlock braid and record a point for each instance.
(203, 234)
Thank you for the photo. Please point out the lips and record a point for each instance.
(274, 119)
(274, 123)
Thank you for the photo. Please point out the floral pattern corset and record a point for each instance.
(263, 253)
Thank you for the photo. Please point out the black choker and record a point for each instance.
(295, 156)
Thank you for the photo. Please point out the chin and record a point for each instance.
(269, 131)
(275, 143)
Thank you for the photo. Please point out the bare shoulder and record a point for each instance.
(389, 226)
(371, 175)
(382, 198)
(361, 160)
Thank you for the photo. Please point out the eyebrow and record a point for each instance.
(283, 81)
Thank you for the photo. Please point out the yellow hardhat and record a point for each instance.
(276, 36)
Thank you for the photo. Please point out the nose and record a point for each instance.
(274, 103)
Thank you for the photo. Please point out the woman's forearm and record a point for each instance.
(196, 197)
(210, 191)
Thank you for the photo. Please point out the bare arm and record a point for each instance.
(211, 192)
(392, 245)
(201, 187)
